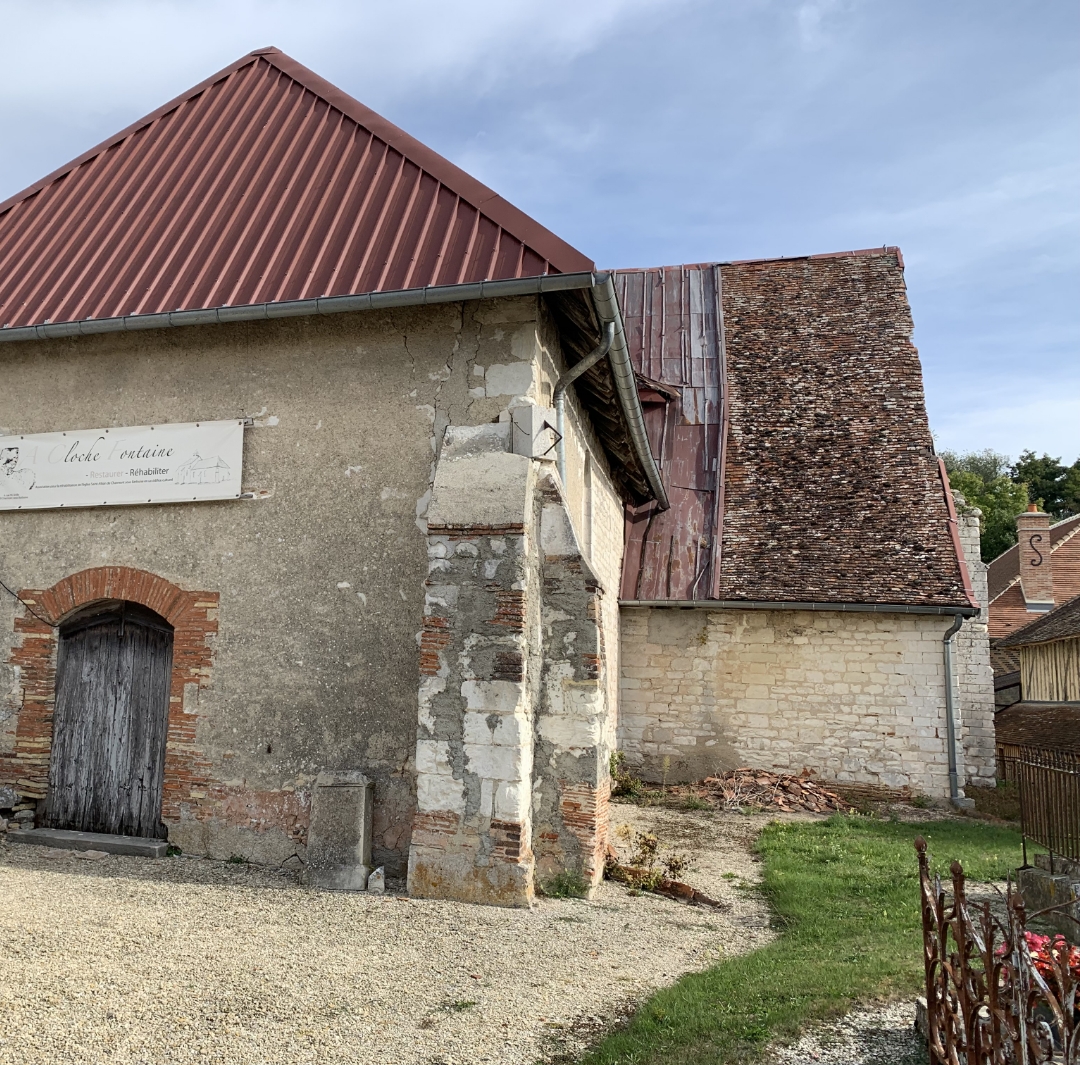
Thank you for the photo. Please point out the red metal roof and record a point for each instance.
(263, 183)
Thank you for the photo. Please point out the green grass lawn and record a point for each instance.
(845, 899)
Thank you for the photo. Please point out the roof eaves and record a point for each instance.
(813, 606)
(364, 301)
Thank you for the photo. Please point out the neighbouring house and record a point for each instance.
(1040, 571)
(318, 461)
(1038, 747)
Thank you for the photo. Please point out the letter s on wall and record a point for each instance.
(1038, 561)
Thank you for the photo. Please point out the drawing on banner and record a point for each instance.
(198, 470)
(20, 476)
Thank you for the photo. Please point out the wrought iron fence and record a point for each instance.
(995, 993)
(1049, 783)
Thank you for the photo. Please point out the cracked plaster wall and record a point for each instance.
(321, 575)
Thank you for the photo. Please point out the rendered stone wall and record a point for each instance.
(853, 697)
(319, 575)
(971, 650)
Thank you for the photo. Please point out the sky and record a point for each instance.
(655, 132)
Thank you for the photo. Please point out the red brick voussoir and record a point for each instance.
(193, 616)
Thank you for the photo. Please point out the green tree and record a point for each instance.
(1057, 486)
(982, 477)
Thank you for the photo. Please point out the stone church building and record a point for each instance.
(319, 459)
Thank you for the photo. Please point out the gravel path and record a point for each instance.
(125, 960)
(880, 1035)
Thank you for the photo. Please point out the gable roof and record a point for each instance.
(798, 457)
(264, 183)
(1060, 624)
(1005, 569)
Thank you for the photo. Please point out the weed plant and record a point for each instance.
(565, 885)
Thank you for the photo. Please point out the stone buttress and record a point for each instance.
(513, 742)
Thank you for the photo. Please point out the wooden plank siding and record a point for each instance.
(1050, 672)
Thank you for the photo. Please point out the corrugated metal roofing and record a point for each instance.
(264, 183)
(785, 406)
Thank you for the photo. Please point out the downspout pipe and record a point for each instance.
(564, 382)
(607, 307)
(950, 710)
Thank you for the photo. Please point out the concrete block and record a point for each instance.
(67, 839)
(1042, 889)
(339, 835)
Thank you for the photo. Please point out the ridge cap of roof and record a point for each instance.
(474, 192)
(885, 249)
(861, 253)
(515, 221)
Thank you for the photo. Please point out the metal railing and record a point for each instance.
(995, 994)
(1049, 784)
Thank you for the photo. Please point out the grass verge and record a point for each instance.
(844, 894)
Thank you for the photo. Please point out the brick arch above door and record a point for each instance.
(193, 616)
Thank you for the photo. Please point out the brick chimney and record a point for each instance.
(1036, 571)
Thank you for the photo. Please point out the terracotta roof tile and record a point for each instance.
(831, 490)
(1052, 725)
(1060, 624)
(1005, 569)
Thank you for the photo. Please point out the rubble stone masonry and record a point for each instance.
(974, 675)
(853, 697)
(514, 738)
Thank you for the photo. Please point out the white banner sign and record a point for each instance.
(108, 467)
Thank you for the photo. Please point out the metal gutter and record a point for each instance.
(843, 608)
(256, 312)
(622, 370)
(950, 715)
(564, 382)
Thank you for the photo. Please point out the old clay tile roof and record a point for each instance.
(264, 183)
(1008, 610)
(1063, 623)
(1050, 725)
(830, 488)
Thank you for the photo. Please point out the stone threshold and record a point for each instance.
(67, 839)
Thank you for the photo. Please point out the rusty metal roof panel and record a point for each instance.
(262, 184)
(674, 331)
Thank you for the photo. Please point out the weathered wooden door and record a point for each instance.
(109, 725)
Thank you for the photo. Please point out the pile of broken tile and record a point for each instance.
(758, 789)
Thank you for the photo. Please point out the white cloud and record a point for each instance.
(1043, 421)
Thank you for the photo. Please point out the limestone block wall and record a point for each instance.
(971, 650)
(853, 697)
